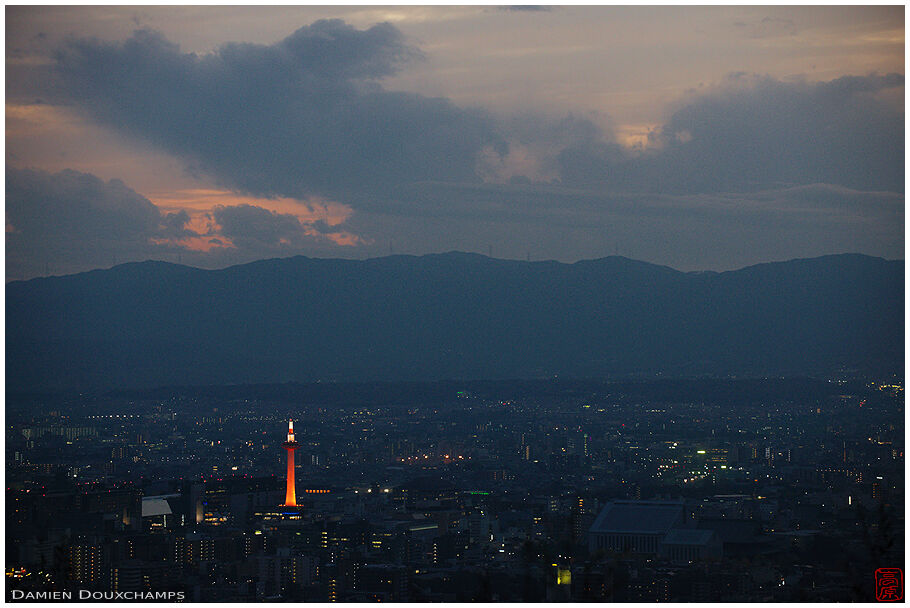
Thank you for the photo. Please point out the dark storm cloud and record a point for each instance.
(300, 117)
(757, 132)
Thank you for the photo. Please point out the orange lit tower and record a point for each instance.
(290, 498)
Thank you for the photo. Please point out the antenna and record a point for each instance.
(490, 249)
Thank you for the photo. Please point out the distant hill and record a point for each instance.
(453, 315)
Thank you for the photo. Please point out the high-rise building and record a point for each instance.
(85, 562)
(290, 497)
(138, 575)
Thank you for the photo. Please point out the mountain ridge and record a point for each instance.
(451, 254)
(451, 315)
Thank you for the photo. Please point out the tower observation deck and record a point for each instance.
(290, 497)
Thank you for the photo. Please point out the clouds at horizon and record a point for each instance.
(71, 220)
(308, 117)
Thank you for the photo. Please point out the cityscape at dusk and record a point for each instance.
(447, 304)
(462, 492)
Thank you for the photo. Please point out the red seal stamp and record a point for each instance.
(889, 585)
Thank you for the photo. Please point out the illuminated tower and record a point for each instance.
(290, 498)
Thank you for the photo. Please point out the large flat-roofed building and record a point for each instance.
(636, 526)
(683, 545)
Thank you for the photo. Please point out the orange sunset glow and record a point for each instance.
(205, 199)
(199, 204)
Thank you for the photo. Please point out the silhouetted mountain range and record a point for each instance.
(451, 315)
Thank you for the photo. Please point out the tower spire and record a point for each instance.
(290, 496)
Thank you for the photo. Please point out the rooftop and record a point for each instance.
(688, 537)
(638, 517)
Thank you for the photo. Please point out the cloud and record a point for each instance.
(557, 204)
(698, 231)
(256, 223)
(304, 116)
(70, 221)
(768, 27)
(756, 132)
(835, 199)
(747, 169)
(767, 131)
(747, 134)
(266, 231)
(175, 224)
(78, 205)
(526, 8)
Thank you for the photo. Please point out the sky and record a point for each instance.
(701, 138)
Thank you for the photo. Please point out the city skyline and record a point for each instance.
(556, 490)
